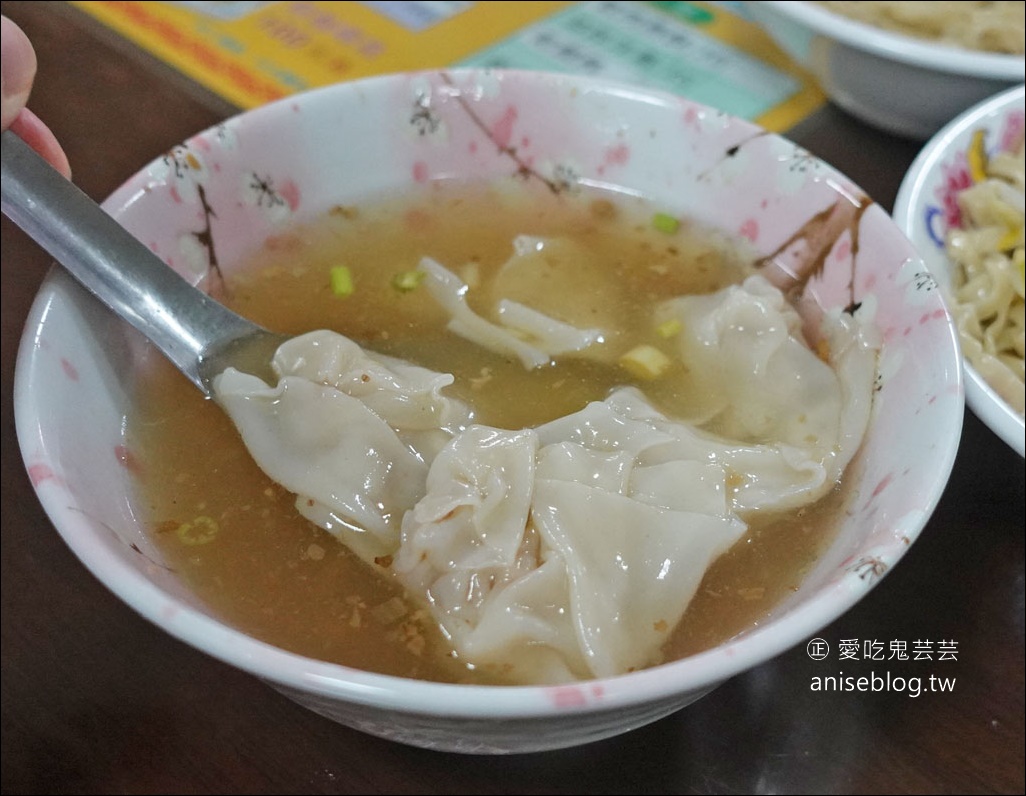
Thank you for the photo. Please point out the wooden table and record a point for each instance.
(97, 700)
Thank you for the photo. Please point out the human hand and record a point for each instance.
(18, 70)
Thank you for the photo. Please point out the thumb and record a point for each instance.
(17, 70)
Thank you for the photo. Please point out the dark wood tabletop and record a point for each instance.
(98, 700)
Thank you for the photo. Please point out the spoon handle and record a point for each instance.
(181, 320)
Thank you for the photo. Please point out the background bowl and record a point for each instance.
(904, 85)
(353, 141)
(923, 209)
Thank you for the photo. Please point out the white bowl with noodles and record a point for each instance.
(246, 188)
(905, 84)
(928, 209)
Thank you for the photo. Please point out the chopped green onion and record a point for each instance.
(408, 280)
(668, 329)
(645, 362)
(341, 281)
(200, 531)
(664, 222)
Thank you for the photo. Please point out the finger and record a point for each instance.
(37, 135)
(17, 70)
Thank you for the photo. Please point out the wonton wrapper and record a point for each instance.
(570, 550)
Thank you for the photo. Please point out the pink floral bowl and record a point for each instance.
(247, 180)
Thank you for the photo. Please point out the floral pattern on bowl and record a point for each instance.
(944, 213)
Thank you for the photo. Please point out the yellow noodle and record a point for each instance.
(988, 279)
(992, 27)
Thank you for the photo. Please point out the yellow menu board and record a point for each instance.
(254, 52)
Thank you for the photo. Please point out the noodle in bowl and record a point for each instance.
(996, 27)
(961, 204)
(906, 85)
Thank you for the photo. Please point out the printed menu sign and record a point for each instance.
(254, 52)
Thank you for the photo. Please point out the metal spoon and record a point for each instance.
(200, 336)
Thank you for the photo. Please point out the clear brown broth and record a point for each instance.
(278, 577)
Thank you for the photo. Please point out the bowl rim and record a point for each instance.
(898, 46)
(691, 675)
(986, 404)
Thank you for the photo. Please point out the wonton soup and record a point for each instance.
(630, 276)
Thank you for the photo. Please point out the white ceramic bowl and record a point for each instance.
(922, 209)
(904, 85)
(351, 141)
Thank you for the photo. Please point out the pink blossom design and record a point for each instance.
(956, 179)
(750, 230)
(69, 369)
(502, 130)
(1012, 135)
(40, 472)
